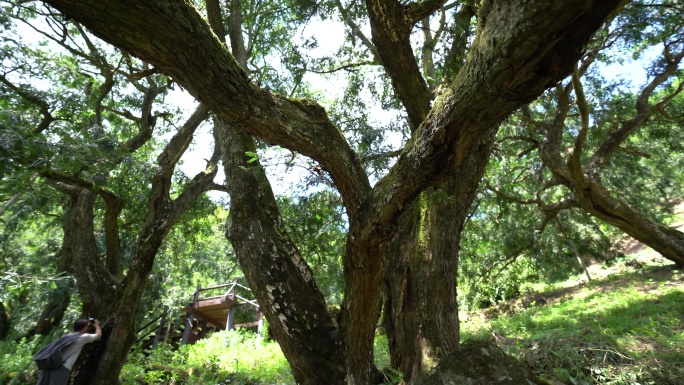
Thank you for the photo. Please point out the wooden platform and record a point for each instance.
(214, 310)
(219, 312)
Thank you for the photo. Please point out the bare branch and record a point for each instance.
(174, 150)
(632, 151)
(143, 74)
(644, 110)
(527, 118)
(346, 67)
(16, 196)
(420, 10)
(511, 198)
(356, 31)
(42, 105)
(372, 157)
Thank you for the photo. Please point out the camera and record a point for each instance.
(91, 324)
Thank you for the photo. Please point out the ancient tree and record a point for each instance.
(519, 50)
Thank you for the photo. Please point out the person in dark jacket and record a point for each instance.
(60, 376)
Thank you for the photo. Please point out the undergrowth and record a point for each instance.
(16, 366)
(227, 357)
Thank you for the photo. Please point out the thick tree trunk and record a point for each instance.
(421, 312)
(402, 317)
(360, 310)
(279, 278)
(311, 344)
(94, 284)
(112, 301)
(421, 308)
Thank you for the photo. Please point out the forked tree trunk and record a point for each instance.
(115, 302)
(79, 247)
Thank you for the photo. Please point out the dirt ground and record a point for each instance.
(632, 246)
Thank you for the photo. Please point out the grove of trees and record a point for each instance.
(516, 142)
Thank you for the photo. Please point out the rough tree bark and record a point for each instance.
(522, 47)
(4, 322)
(274, 268)
(106, 295)
(162, 213)
(421, 308)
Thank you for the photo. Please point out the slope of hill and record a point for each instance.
(626, 327)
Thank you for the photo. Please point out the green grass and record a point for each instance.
(626, 329)
(226, 357)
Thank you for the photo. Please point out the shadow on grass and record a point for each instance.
(624, 333)
(645, 277)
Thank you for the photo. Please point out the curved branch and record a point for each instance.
(16, 196)
(644, 110)
(176, 147)
(461, 126)
(456, 55)
(356, 31)
(391, 27)
(550, 150)
(347, 67)
(575, 161)
(224, 86)
(512, 62)
(42, 105)
(420, 10)
(511, 198)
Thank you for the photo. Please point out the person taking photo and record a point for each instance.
(80, 336)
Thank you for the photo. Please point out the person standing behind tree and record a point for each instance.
(60, 376)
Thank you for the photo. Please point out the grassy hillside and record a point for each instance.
(626, 327)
